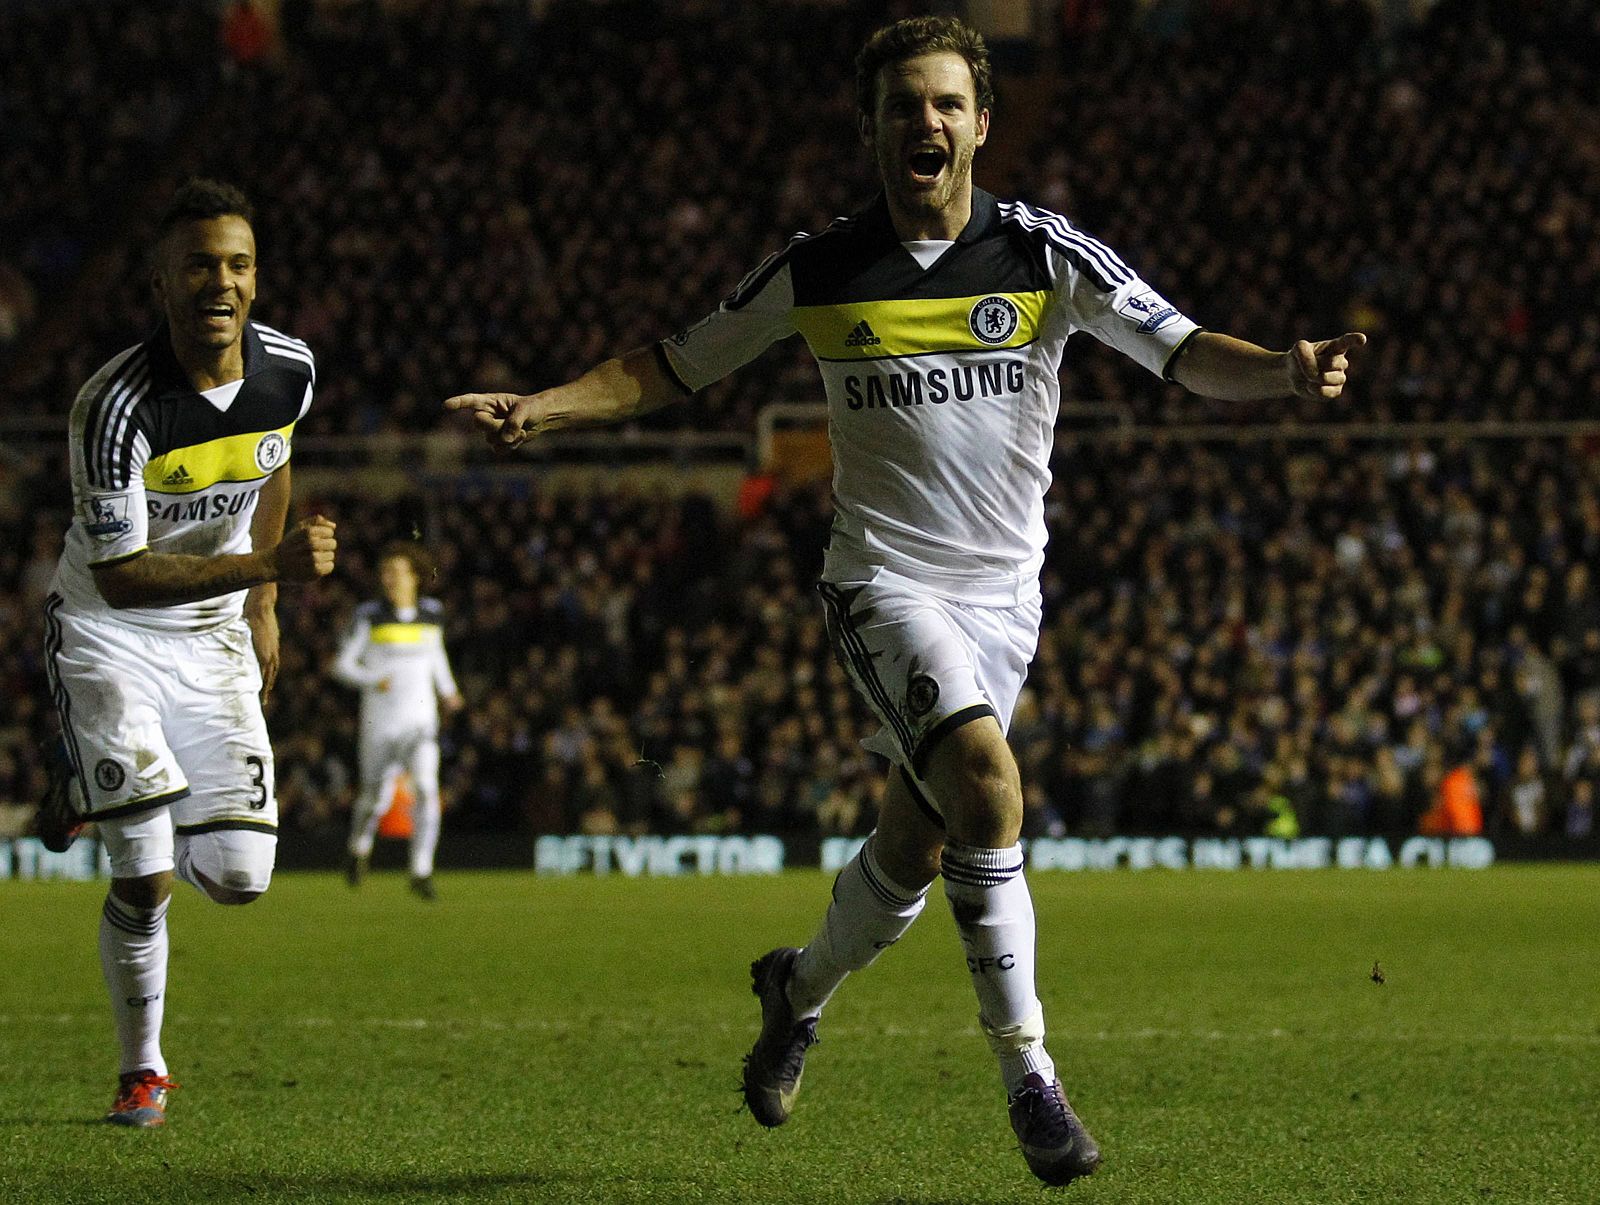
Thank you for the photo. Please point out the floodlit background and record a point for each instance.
(1323, 628)
(1364, 634)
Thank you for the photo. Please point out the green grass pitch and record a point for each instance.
(578, 1040)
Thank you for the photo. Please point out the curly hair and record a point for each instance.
(413, 553)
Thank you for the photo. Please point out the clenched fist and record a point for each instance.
(306, 552)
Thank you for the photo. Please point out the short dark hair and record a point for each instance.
(199, 199)
(921, 35)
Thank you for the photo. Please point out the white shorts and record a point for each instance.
(162, 721)
(383, 756)
(927, 665)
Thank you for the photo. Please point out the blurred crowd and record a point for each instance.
(456, 195)
(1238, 639)
(466, 193)
(1293, 166)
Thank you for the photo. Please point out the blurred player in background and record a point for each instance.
(938, 316)
(161, 635)
(394, 653)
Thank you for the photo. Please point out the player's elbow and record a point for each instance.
(119, 589)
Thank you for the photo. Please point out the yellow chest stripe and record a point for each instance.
(246, 457)
(399, 633)
(875, 330)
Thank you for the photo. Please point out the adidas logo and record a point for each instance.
(862, 336)
(178, 476)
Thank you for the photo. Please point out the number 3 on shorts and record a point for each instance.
(258, 779)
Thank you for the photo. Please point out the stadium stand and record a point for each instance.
(1234, 634)
(1239, 636)
(432, 213)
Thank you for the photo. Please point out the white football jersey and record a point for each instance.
(157, 467)
(941, 381)
(397, 659)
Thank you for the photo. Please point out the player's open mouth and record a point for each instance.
(217, 314)
(926, 164)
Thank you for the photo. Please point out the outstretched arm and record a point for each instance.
(611, 392)
(160, 579)
(1221, 366)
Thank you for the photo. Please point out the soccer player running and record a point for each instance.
(938, 316)
(394, 654)
(161, 635)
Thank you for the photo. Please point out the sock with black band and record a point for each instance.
(133, 955)
(868, 914)
(994, 914)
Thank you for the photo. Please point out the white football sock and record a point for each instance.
(867, 915)
(424, 831)
(994, 915)
(365, 820)
(133, 955)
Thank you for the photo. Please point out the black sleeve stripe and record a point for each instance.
(115, 438)
(1171, 365)
(106, 419)
(671, 373)
(124, 473)
(287, 347)
(1089, 255)
(751, 286)
(1074, 257)
(99, 437)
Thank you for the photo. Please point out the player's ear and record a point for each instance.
(983, 126)
(864, 125)
(157, 254)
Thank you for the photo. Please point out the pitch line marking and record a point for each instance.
(547, 1025)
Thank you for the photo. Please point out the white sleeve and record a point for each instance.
(115, 520)
(108, 451)
(347, 667)
(1122, 311)
(444, 682)
(757, 315)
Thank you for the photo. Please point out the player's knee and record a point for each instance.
(985, 773)
(143, 891)
(982, 793)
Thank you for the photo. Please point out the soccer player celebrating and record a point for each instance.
(938, 316)
(160, 629)
(394, 653)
